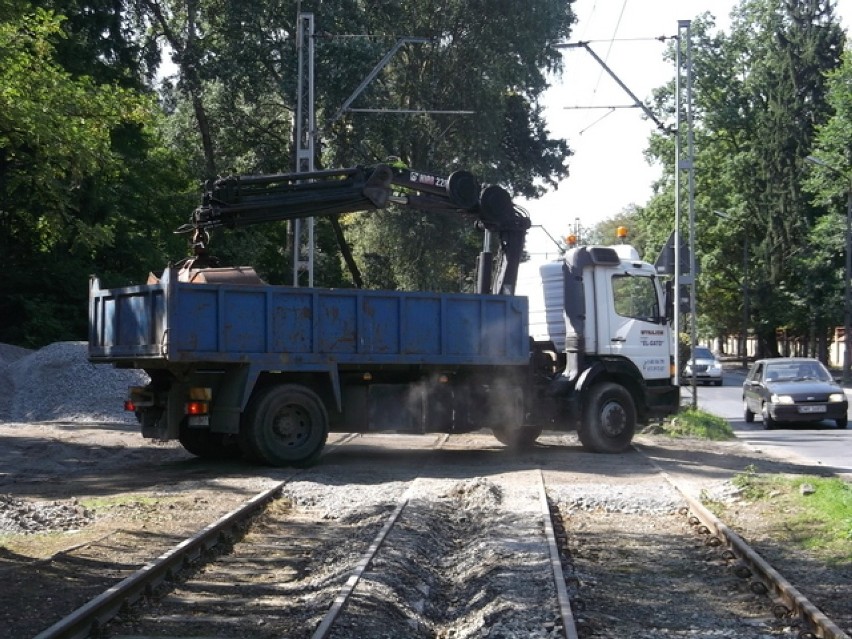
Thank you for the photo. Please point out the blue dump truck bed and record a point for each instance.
(168, 321)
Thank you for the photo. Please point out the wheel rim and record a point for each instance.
(613, 419)
(292, 425)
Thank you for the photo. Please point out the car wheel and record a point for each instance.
(768, 422)
(841, 422)
(718, 382)
(747, 414)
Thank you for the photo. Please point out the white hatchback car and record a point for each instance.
(707, 367)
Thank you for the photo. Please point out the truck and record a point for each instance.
(239, 367)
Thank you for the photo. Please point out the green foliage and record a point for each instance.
(830, 182)
(485, 59)
(816, 511)
(694, 422)
(95, 173)
(79, 171)
(465, 98)
(761, 94)
(748, 481)
(55, 130)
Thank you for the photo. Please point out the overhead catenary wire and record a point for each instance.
(603, 61)
(594, 122)
(609, 47)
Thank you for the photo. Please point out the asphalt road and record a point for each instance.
(821, 444)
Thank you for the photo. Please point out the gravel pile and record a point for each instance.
(20, 516)
(58, 384)
(626, 499)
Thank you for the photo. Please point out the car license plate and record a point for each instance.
(811, 409)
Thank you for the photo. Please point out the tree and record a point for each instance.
(68, 188)
(833, 144)
(760, 95)
(483, 57)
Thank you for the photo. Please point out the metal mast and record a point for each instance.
(305, 135)
(684, 163)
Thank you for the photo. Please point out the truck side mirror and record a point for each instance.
(669, 297)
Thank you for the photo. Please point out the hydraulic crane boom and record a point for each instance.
(237, 201)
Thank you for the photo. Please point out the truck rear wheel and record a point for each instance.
(285, 425)
(510, 413)
(518, 437)
(609, 419)
(202, 443)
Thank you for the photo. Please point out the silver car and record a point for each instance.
(705, 365)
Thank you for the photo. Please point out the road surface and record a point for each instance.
(822, 444)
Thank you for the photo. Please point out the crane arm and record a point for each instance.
(237, 201)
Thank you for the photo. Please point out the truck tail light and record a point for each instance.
(138, 397)
(199, 400)
(197, 407)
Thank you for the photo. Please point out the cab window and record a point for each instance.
(635, 297)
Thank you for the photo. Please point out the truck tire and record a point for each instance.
(507, 417)
(519, 437)
(609, 419)
(285, 425)
(202, 443)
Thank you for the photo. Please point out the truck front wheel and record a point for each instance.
(285, 425)
(609, 419)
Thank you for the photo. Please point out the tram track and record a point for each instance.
(431, 539)
(747, 563)
(692, 575)
(464, 546)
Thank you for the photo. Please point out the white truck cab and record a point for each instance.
(597, 316)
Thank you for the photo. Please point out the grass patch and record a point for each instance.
(814, 513)
(694, 422)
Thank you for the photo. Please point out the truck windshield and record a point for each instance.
(635, 297)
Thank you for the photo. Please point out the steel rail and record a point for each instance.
(92, 616)
(328, 620)
(568, 625)
(89, 618)
(821, 626)
(824, 627)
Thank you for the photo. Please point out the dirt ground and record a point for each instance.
(76, 496)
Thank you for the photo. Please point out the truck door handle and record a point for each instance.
(618, 339)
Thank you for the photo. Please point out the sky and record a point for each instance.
(608, 171)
